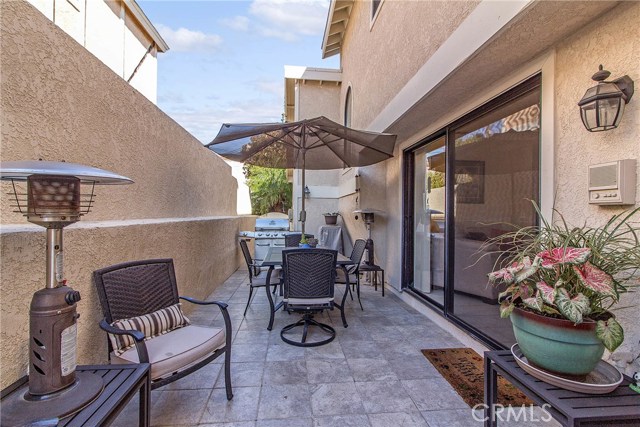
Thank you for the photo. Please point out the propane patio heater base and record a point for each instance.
(22, 408)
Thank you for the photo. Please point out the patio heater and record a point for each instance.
(368, 216)
(53, 200)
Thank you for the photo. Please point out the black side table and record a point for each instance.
(121, 383)
(620, 407)
(365, 268)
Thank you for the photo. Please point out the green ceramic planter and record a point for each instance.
(557, 345)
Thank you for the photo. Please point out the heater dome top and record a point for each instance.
(21, 170)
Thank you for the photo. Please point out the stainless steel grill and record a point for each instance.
(269, 232)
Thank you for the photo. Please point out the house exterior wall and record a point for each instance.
(317, 99)
(59, 102)
(610, 41)
(374, 69)
(405, 34)
(110, 32)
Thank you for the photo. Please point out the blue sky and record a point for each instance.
(227, 58)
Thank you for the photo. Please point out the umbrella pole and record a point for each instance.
(303, 212)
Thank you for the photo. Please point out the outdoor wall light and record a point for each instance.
(307, 192)
(602, 106)
(52, 199)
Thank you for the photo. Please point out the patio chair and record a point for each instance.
(145, 324)
(309, 276)
(292, 240)
(257, 276)
(353, 270)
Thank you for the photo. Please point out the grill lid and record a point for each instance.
(281, 224)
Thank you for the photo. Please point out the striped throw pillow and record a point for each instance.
(151, 325)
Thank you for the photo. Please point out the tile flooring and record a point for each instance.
(373, 373)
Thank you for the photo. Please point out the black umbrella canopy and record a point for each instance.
(316, 144)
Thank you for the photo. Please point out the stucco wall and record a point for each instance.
(610, 41)
(378, 61)
(59, 102)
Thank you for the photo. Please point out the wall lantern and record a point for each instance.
(307, 192)
(602, 106)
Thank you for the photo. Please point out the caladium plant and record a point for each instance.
(575, 273)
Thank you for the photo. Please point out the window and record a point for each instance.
(347, 108)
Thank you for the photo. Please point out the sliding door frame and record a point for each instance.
(447, 309)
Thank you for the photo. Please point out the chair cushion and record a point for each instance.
(151, 325)
(176, 350)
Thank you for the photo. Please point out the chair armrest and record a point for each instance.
(138, 337)
(222, 305)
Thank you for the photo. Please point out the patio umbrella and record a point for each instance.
(315, 144)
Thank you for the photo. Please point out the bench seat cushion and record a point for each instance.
(176, 350)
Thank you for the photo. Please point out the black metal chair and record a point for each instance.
(309, 277)
(353, 270)
(257, 276)
(144, 294)
(292, 240)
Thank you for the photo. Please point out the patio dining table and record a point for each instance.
(273, 259)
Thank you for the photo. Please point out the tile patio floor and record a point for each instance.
(372, 374)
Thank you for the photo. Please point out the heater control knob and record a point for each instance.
(72, 297)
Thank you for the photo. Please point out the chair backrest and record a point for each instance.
(358, 250)
(246, 253)
(309, 273)
(136, 288)
(292, 240)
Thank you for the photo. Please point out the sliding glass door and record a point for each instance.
(429, 214)
(472, 183)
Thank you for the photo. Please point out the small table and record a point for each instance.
(365, 268)
(121, 383)
(621, 407)
(273, 258)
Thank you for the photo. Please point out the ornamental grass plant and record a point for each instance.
(573, 273)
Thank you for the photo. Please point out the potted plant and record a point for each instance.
(304, 243)
(331, 218)
(561, 285)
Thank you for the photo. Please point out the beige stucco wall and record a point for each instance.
(59, 102)
(379, 60)
(614, 41)
(110, 32)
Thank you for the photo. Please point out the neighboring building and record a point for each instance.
(312, 92)
(117, 32)
(483, 97)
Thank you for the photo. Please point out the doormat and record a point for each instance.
(463, 368)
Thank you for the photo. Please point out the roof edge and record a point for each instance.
(139, 14)
(337, 20)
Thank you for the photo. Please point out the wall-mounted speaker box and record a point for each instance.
(613, 183)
